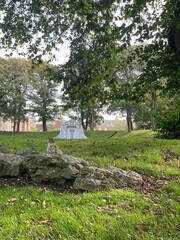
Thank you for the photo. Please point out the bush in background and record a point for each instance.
(168, 123)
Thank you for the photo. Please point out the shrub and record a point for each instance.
(168, 124)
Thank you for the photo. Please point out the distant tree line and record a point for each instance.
(27, 89)
(122, 53)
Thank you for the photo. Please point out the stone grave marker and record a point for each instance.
(71, 130)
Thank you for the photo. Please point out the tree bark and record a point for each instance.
(82, 120)
(86, 124)
(14, 126)
(18, 126)
(44, 125)
(129, 119)
(129, 122)
(92, 120)
(153, 109)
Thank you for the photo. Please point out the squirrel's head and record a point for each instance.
(50, 140)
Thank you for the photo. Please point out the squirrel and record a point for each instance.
(52, 147)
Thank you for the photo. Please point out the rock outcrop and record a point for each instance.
(90, 178)
(3, 149)
(52, 168)
(11, 165)
(61, 169)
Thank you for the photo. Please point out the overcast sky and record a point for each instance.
(61, 56)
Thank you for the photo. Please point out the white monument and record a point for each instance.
(71, 130)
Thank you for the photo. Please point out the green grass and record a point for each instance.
(36, 213)
(138, 150)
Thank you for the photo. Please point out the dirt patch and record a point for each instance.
(149, 186)
(21, 182)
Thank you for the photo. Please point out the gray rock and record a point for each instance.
(3, 149)
(11, 165)
(93, 178)
(26, 152)
(76, 162)
(124, 178)
(70, 172)
(60, 169)
(52, 168)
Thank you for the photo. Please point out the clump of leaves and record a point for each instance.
(168, 123)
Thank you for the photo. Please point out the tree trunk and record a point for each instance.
(129, 122)
(82, 120)
(129, 119)
(86, 124)
(14, 126)
(153, 109)
(44, 125)
(92, 120)
(18, 126)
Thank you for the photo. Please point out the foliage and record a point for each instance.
(89, 117)
(98, 31)
(168, 125)
(126, 108)
(14, 80)
(32, 24)
(43, 95)
(42, 25)
(158, 72)
(26, 88)
(90, 66)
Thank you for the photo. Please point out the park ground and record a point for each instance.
(152, 211)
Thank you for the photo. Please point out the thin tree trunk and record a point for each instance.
(14, 126)
(131, 123)
(18, 126)
(44, 125)
(153, 109)
(44, 119)
(128, 118)
(86, 124)
(92, 120)
(82, 120)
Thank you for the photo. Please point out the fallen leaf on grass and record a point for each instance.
(46, 222)
(12, 200)
(32, 203)
(44, 204)
(31, 221)
(140, 228)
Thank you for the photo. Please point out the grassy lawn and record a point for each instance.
(40, 213)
